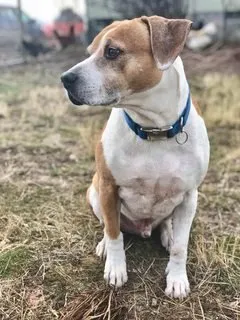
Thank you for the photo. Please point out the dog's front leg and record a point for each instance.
(177, 280)
(111, 246)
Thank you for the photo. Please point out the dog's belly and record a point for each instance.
(144, 204)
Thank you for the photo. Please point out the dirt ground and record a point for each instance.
(48, 266)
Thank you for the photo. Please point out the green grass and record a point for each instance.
(13, 262)
(48, 235)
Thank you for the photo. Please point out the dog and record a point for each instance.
(154, 150)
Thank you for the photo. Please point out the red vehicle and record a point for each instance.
(67, 20)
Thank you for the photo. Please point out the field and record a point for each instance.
(48, 267)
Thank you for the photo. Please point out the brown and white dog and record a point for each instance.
(141, 184)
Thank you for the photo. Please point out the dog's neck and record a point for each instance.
(161, 105)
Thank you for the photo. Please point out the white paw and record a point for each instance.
(115, 272)
(177, 284)
(101, 249)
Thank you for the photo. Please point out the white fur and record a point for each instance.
(157, 180)
(177, 280)
(164, 66)
(94, 200)
(92, 82)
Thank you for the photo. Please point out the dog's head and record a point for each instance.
(126, 57)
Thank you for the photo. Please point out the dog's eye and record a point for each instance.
(112, 53)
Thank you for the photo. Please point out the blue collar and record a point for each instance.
(153, 134)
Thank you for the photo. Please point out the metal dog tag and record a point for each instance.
(181, 137)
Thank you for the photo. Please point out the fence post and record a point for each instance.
(19, 5)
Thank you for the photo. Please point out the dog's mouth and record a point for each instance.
(80, 103)
(111, 103)
(74, 100)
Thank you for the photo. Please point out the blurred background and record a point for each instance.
(31, 28)
(48, 235)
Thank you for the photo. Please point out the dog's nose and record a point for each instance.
(68, 78)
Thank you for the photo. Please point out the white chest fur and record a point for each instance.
(153, 177)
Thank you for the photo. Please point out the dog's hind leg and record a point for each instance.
(166, 233)
(93, 199)
(94, 202)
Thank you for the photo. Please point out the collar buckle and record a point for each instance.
(154, 134)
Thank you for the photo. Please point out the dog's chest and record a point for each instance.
(152, 177)
(153, 199)
(149, 188)
(151, 182)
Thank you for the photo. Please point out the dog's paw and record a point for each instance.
(101, 249)
(115, 272)
(177, 284)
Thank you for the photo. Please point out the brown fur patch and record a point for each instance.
(96, 42)
(197, 107)
(135, 69)
(167, 37)
(104, 182)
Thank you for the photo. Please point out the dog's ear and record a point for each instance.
(167, 38)
(95, 43)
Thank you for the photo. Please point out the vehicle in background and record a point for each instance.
(10, 32)
(10, 26)
(67, 21)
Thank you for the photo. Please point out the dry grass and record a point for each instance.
(219, 98)
(48, 236)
